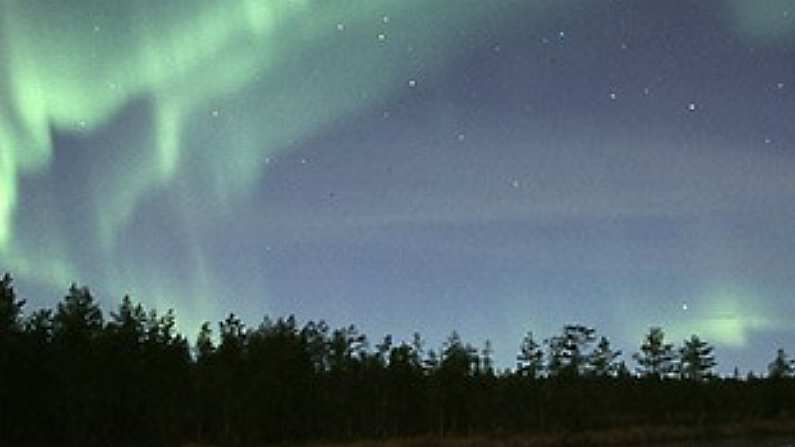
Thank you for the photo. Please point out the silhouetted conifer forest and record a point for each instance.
(73, 376)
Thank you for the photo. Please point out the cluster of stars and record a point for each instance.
(613, 94)
(383, 37)
(412, 83)
(692, 107)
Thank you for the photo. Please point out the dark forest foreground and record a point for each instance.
(71, 376)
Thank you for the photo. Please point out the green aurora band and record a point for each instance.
(73, 66)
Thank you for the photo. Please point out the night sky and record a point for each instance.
(487, 166)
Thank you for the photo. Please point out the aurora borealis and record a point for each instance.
(427, 165)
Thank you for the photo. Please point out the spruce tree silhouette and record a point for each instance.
(10, 308)
(656, 357)
(530, 360)
(77, 328)
(781, 367)
(569, 352)
(696, 360)
(11, 350)
(455, 370)
(603, 362)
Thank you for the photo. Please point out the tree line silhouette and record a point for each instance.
(74, 377)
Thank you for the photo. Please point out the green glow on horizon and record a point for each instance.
(726, 316)
(767, 22)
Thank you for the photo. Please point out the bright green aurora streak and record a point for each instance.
(73, 66)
